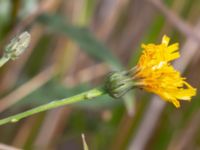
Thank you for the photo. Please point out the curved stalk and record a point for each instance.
(54, 104)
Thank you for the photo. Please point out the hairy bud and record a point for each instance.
(17, 46)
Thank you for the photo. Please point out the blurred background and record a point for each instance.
(74, 45)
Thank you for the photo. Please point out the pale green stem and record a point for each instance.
(85, 146)
(3, 60)
(54, 104)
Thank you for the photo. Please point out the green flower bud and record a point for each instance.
(118, 83)
(17, 46)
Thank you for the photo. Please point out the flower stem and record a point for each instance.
(54, 104)
(3, 60)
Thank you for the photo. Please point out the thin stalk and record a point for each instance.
(54, 104)
(3, 60)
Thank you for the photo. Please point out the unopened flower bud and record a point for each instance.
(118, 83)
(17, 45)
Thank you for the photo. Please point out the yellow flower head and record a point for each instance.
(155, 74)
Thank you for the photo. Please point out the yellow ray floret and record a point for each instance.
(155, 73)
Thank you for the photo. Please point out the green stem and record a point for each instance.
(54, 104)
(3, 60)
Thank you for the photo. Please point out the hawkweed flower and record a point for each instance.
(155, 74)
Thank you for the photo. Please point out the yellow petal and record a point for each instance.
(176, 103)
(165, 40)
(172, 48)
(155, 73)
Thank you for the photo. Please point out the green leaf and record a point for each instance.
(83, 37)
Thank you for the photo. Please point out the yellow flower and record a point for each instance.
(155, 74)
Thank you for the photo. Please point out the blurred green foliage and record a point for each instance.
(104, 121)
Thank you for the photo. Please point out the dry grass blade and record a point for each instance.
(26, 89)
(187, 135)
(51, 130)
(141, 16)
(182, 26)
(87, 74)
(6, 147)
(106, 18)
(24, 132)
